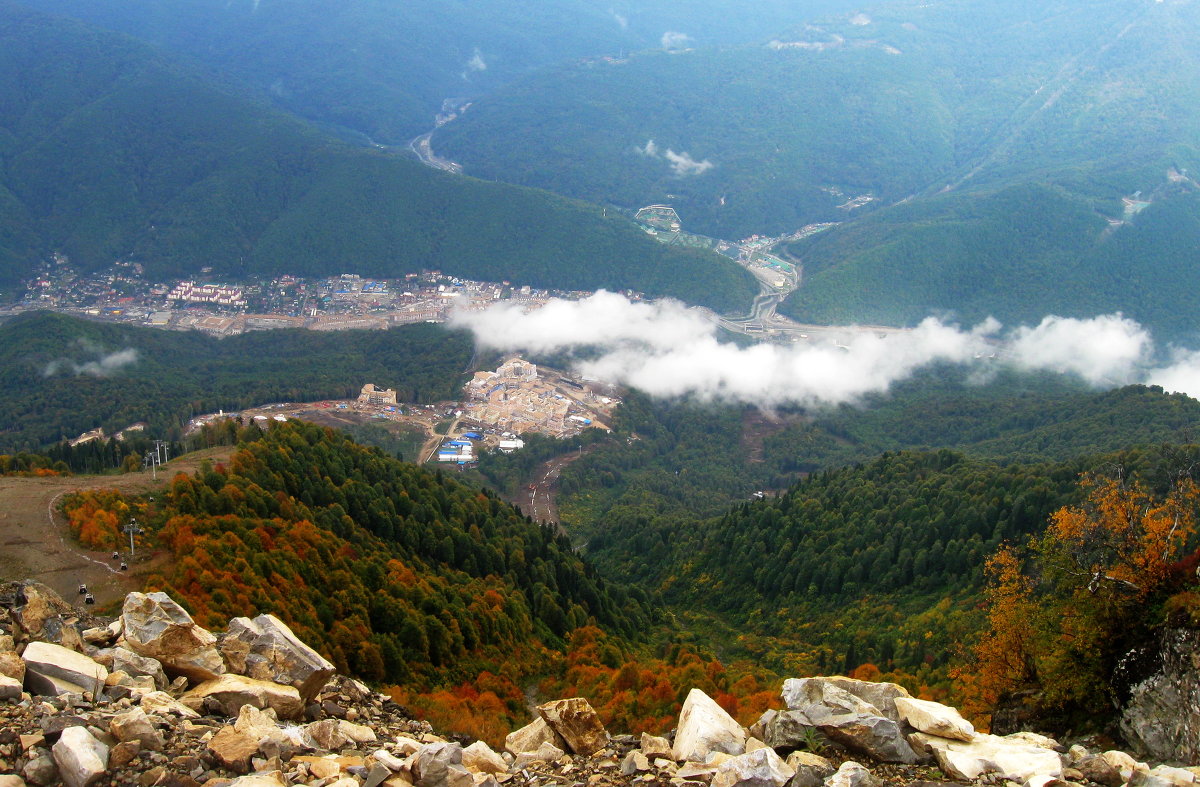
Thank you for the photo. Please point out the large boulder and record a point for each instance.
(230, 692)
(577, 723)
(81, 759)
(1015, 759)
(758, 768)
(41, 614)
(52, 669)
(531, 737)
(881, 696)
(847, 719)
(934, 718)
(157, 627)
(266, 649)
(705, 727)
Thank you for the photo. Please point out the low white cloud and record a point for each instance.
(650, 149)
(477, 63)
(1105, 350)
(669, 350)
(100, 367)
(1181, 376)
(622, 22)
(682, 164)
(673, 39)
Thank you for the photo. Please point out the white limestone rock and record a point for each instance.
(480, 758)
(934, 718)
(1014, 759)
(52, 670)
(231, 692)
(532, 736)
(705, 727)
(156, 626)
(758, 768)
(81, 759)
(266, 649)
(851, 774)
(10, 688)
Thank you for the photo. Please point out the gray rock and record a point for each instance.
(881, 695)
(787, 729)
(266, 649)
(41, 614)
(705, 727)
(52, 670)
(157, 627)
(81, 759)
(41, 771)
(1161, 720)
(440, 765)
(634, 762)
(847, 719)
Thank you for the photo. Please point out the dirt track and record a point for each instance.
(35, 544)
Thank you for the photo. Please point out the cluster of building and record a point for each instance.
(220, 294)
(337, 303)
(515, 399)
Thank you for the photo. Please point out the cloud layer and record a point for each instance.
(669, 350)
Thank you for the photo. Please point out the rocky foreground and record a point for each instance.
(150, 698)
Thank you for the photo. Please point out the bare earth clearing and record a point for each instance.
(35, 543)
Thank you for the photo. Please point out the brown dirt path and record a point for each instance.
(35, 543)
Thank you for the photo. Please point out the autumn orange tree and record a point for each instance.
(1063, 609)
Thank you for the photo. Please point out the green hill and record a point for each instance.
(109, 150)
(56, 383)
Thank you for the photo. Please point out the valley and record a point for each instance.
(698, 345)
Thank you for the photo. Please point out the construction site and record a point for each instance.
(518, 398)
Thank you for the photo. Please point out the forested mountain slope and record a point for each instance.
(383, 69)
(399, 573)
(111, 150)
